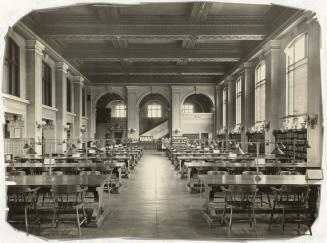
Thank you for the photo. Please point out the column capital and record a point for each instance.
(62, 66)
(78, 80)
(249, 66)
(131, 89)
(271, 46)
(35, 45)
(229, 80)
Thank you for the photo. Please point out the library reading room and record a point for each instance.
(163, 121)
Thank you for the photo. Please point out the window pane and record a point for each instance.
(299, 48)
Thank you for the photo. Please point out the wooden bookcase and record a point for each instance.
(294, 141)
(256, 137)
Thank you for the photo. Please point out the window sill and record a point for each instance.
(15, 98)
(50, 108)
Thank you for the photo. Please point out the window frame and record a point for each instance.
(12, 60)
(260, 91)
(290, 68)
(119, 112)
(188, 108)
(154, 112)
(238, 101)
(46, 84)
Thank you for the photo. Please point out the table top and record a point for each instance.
(65, 165)
(212, 180)
(42, 180)
(212, 158)
(250, 165)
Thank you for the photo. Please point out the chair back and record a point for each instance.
(213, 172)
(90, 172)
(250, 172)
(55, 173)
(16, 173)
(289, 172)
(293, 196)
(21, 196)
(68, 197)
(242, 196)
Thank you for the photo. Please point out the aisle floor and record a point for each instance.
(154, 204)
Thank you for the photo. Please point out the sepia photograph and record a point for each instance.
(163, 121)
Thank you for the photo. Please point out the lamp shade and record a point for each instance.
(239, 150)
(30, 151)
(71, 151)
(26, 146)
(277, 151)
(73, 146)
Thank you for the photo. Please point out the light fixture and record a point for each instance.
(307, 145)
(31, 151)
(239, 150)
(26, 146)
(281, 145)
(277, 151)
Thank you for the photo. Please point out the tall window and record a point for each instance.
(83, 102)
(238, 101)
(69, 95)
(296, 76)
(188, 108)
(154, 110)
(260, 92)
(225, 107)
(46, 84)
(119, 110)
(12, 62)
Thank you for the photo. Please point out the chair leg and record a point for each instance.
(53, 217)
(84, 215)
(255, 223)
(283, 220)
(223, 216)
(230, 221)
(26, 221)
(268, 198)
(308, 220)
(78, 222)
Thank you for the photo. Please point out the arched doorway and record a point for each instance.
(154, 117)
(111, 118)
(198, 116)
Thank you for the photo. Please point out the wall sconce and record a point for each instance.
(83, 129)
(132, 130)
(38, 125)
(312, 120)
(67, 127)
(176, 131)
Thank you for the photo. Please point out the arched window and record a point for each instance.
(154, 110)
(12, 66)
(238, 101)
(119, 111)
(260, 91)
(225, 107)
(296, 76)
(188, 108)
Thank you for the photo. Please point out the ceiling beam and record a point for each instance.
(107, 14)
(142, 54)
(182, 69)
(153, 31)
(199, 11)
(152, 79)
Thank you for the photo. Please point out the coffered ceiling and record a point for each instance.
(195, 42)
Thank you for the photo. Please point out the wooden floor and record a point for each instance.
(154, 204)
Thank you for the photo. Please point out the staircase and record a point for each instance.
(157, 132)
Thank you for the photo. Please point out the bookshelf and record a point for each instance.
(256, 137)
(294, 141)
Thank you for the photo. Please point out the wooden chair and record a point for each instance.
(45, 191)
(16, 173)
(293, 199)
(22, 198)
(241, 198)
(262, 189)
(67, 199)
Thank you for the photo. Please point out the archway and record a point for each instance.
(111, 118)
(198, 116)
(154, 116)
